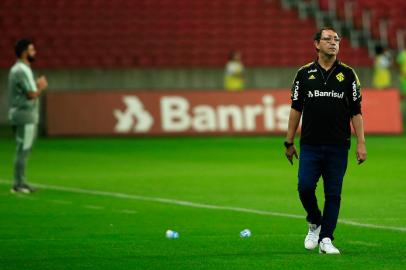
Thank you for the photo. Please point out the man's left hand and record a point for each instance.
(361, 152)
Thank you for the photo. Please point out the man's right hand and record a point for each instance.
(42, 83)
(290, 152)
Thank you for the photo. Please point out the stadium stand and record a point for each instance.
(161, 33)
(392, 11)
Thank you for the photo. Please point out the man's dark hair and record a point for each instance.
(21, 46)
(232, 55)
(379, 49)
(317, 36)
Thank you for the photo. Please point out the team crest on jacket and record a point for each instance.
(340, 77)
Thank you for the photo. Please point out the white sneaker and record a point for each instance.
(312, 238)
(327, 247)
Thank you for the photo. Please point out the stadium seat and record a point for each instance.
(393, 11)
(158, 33)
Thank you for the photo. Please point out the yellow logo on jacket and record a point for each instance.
(340, 77)
(312, 77)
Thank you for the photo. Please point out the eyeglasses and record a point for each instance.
(330, 39)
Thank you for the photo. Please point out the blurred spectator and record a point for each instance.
(382, 77)
(234, 73)
(401, 61)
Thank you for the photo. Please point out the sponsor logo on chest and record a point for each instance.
(330, 94)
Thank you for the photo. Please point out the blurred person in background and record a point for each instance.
(234, 72)
(401, 61)
(24, 93)
(381, 78)
(327, 94)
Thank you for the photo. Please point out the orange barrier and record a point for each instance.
(194, 113)
(381, 111)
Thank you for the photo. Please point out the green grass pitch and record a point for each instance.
(92, 225)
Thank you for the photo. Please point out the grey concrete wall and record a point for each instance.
(156, 79)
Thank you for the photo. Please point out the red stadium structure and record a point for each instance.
(391, 13)
(165, 33)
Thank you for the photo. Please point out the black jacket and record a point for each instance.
(327, 100)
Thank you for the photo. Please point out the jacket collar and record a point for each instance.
(336, 63)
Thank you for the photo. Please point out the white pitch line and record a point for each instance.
(202, 205)
(32, 239)
(93, 207)
(362, 243)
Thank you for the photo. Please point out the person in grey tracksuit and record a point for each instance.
(24, 93)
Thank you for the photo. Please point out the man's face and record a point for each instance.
(237, 56)
(31, 53)
(329, 43)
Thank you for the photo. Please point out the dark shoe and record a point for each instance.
(23, 188)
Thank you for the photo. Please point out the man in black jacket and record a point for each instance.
(326, 93)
